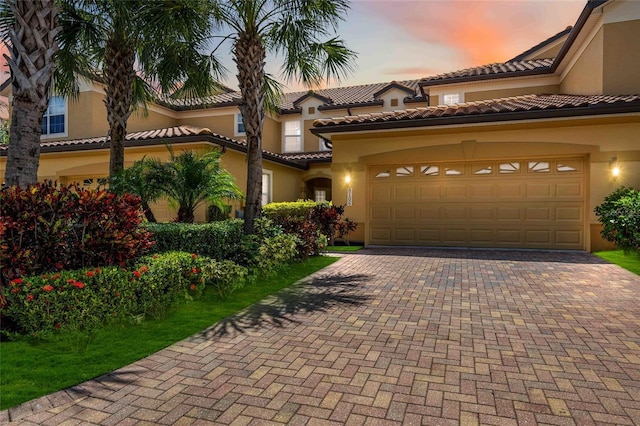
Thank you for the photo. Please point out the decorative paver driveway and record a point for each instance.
(396, 336)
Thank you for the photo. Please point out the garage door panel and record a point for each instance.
(429, 192)
(568, 237)
(381, 213)
(404, 212)
(539, 190)
(381, 235)
(455, 191)
(455, 212)
(381, 193)
(429, 236)
(569, 190)
(538, 213)
(509, 213)
(405, 235)
(569, 213)
(540, 204)
(404, 193)
(481, 235)
(537, 236)
(481, 212)
(455, 236)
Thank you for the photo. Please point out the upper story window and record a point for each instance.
(239, 126)
(450, 99)
(267, 187)
(293, 136)
(53, 120)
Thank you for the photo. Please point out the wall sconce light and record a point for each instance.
(614, 167)
(347, 177)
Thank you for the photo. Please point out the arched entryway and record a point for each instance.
(318, 189)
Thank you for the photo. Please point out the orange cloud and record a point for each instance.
(478, 32)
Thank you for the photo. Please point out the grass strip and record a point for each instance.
(340, 249)
(32, 369)
(629, 261)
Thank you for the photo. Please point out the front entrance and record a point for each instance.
(318, 189)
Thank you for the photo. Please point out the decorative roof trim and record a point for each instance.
(353, 105)
(394, 85)
(311, 94)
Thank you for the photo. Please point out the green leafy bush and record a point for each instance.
(219, 240)
(83, 300)
(620, 218)
(315, 224)
(48, 227)
(277, 251)
(79, 300)
(218, 213)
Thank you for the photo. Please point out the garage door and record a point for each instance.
(519, 203)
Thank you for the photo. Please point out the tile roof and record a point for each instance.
(535, 106)
(184, 133)
(496, 70)
(334, 98)
(316, 157)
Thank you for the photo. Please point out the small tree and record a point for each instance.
(190, 179)
(132, 181)
(620, 218)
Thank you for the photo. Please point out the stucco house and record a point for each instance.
(511, 155)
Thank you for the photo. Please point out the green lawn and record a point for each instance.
(29, 370)
(629, 261)
(341, 249)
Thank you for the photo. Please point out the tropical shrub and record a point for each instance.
(83, 300)
(218, 240)
(620, 218)
(277, 251)
(218, 213)
(47, 227)
(80, 300)
(315, 224)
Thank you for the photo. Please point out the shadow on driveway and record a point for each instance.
(318, 295)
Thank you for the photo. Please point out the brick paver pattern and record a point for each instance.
(395, 336)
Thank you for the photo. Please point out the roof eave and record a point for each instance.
(465, 79)
(352, 105)
(479, 118)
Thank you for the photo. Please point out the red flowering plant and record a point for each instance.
(79, 300)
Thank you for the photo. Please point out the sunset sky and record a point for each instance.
(410, 39)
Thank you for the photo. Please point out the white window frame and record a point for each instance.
(66, 121)
(286, 137)
(320, 195)
(267, 193)
(454, 98)
(237, 121)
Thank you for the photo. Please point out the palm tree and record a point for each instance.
(135, 47)
(31, 27)
(291, 28)
(132, 180)
(190, 179)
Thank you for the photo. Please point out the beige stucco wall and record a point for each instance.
(594, 139)
(472, 96)
(621, 61)
(586, 75)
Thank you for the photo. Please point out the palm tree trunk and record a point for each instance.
(249, 55)
(120, 75)
(32, 65)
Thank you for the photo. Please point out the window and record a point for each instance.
(53, 120)
(404, 171)
(293, 136)
(267, 181)
(430, 170)
(509, 168)
(539, 167)
(321, 195)
(324, 145)
(394, 102)
(451, 98)
(239, 127)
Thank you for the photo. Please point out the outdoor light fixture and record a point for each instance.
(614, 167)
(347, 178)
